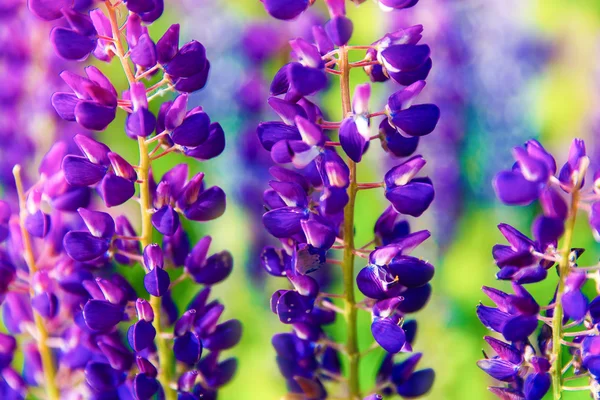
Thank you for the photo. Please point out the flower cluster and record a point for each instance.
(29, 71)
(530, 372)
(61, 290)
(311, 204)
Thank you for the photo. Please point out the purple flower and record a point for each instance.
(509, 365)
(285, 9)
(390, 5)
(355, 129)
(77, 41)
(93, 103)
(515, 316)
(408, 195)
(533, 170)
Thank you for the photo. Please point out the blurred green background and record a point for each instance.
(530, 70)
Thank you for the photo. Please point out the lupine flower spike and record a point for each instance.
(568, 317)
(83, 329)
(311, 206)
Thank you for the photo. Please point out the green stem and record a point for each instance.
(165, 357)
(48, 365)
(348, 260)
(557, 318)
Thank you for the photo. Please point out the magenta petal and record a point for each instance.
(83, 246)
(512, 188)
(94, 116)
(70, 44)
(388, 334)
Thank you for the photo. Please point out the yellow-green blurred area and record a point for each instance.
(554, 101)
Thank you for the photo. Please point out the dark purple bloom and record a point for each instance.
(409, 195)
(524, 183)
(389, 5)
(285, 9)
(102, 315)
(93, 102)
(515, 316)
(187, 348)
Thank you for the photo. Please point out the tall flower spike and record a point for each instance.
(311, 205)
(69, 292)
(526, 261)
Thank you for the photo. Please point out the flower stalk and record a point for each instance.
(165, 360)
(48, 364)
(557, 320)
(350, 313)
